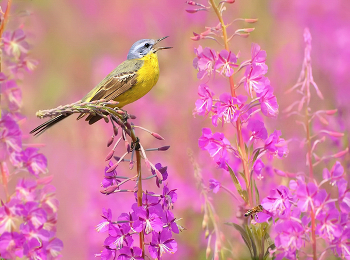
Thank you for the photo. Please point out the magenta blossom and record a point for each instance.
(161, 243)
(228, 109)
(225, 62)
(130, 253)
(276, 145)
(258, 130)
(268, 102)
(214, 185)
(35, 162)
(205, 62)
(14, 43)
(254, 79)
(258, 55)
(205, 102)
(279, 202)
(217, 146)
(307, 196)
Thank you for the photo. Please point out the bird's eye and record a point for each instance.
(147, 45)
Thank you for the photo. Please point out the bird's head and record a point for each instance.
(142, 47)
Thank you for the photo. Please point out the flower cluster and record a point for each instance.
(294, 208)
(28, 215)
(154, 218)
(28, 221)
(151, 217)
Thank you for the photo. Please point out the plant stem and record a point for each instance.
(244, 156)
(139, 187)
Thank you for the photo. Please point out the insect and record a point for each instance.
(252, 212)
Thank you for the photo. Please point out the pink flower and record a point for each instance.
(14, 43)
(276, 145)
(228, 110)
(205, 61)
(254, 80)
(205, 102)
(225, 62)
(268, 102)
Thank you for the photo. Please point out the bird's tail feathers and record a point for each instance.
(43, 127)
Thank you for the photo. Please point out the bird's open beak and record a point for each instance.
(160, 48)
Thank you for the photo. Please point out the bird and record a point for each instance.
(128, 82)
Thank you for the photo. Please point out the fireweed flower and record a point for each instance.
(254, 79)
(205, 62)
(279, 202)
(289, 238)
(217, 146)
(14, 43)
(35, 162)
(329, 227)
(268, 102)
(336, 173)
(168, 198)
(307, 196)
(228, 109)
(119, 236)
(162, 242)
(10, 136)
(341, 244)
(225, 62)
(214, 185)
(258, 55)
(162, 170)
(105, 224)
(258, 130)
(130, 253)
(205, 102)
(151, 218)
(276, 145)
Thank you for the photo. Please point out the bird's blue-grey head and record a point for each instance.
(142, 47)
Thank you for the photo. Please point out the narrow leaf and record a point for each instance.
(237, 184)
(257, 196)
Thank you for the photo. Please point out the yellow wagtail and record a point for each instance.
(127, 83)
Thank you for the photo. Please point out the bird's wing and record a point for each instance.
(117, 82)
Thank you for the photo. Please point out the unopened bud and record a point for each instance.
(331, 112)
(127, 125)
(207, 251)
(131, 165)
(205, 221)
(112, 168)
(164, 148)
(334, 134)
(157, 136)
(194, 3)
(110, 189)
(340, 154)
(106, 119)
(206, 233)
(115, 130)
(109, 156)
(132, 117)
(250, 20)
(110, 141)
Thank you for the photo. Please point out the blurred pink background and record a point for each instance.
(79, 42)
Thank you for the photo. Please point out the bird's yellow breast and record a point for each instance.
(147, 77)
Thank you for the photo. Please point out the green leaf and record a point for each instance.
(256, 155)
(257, 196)
(252, 241)
(244, 235)
(243, 176)
(251, 184)
(246, 148)
(237, 184)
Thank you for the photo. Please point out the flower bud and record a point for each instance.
(112, 168)
(109, 156)
(110, 141)
(157, 136)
